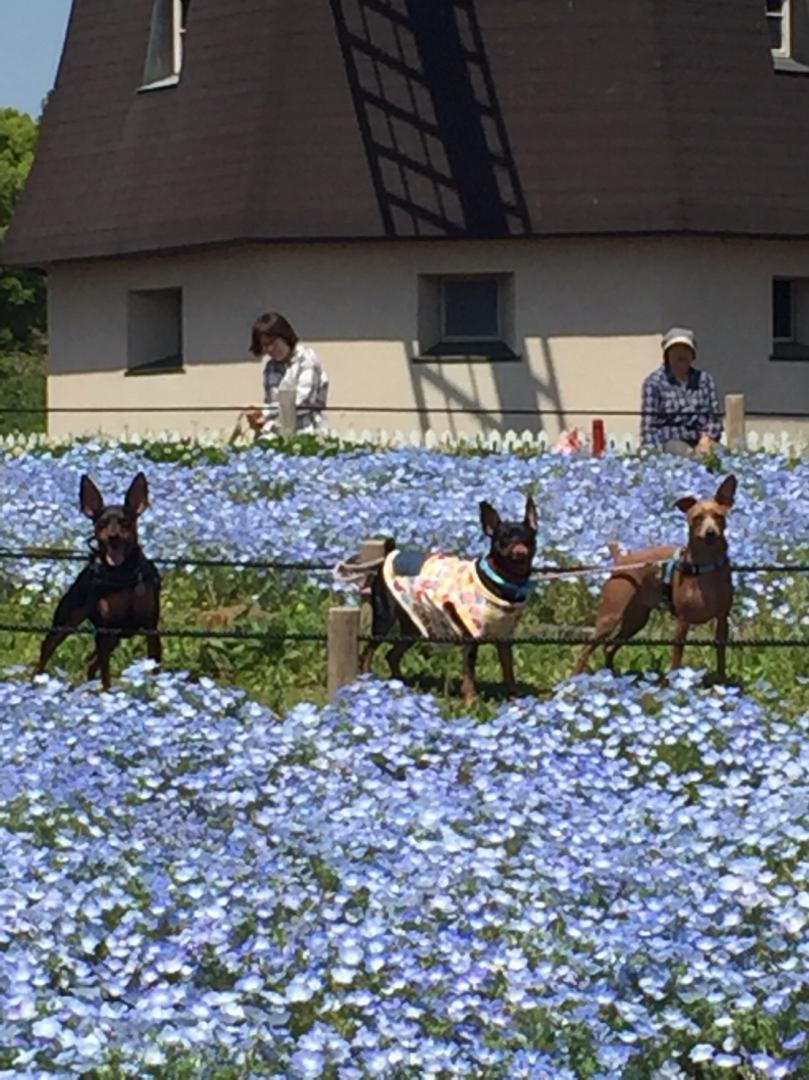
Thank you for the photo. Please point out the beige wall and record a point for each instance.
(588, 316)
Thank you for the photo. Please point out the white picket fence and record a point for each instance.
(789, 444)
(539, 441)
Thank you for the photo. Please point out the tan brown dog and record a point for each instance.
(694, 582)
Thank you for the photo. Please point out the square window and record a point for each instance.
(155, 331)
(466, 316)
(470, 309)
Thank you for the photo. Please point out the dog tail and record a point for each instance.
(614, 549)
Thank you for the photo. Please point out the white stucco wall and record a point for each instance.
(588, 317)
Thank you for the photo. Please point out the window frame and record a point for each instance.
(794, 348)
(170, 364)
(178, 14)
(181, 8)
(433, 346)
(785, 18)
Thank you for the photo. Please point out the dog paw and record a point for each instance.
(468, 694)
(712, 678)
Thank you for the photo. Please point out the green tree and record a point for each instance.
(22, 292)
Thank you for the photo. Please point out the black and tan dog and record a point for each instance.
(442, 597)
(119, 592)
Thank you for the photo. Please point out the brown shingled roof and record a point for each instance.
(326, 119)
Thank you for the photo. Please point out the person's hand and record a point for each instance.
(254, 417)
(705, 445)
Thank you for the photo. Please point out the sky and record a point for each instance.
(31, 36)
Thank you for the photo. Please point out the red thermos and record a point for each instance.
(598, 438)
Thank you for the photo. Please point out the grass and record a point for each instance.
(23, 385)
(282, 674)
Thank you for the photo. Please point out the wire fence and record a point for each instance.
(271, 637)
(343, 638)
(68, 555)
(548, 570)
(268, 637)
(346, 643)
(410, 410)
(586, 638)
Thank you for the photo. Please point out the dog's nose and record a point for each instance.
(520, 551)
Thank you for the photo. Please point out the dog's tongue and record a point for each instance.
(114, 558)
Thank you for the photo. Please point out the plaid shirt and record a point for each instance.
(673, 410)
(305, 374)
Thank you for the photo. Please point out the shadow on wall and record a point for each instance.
(438, 152)
(427, 108)
(512, 385)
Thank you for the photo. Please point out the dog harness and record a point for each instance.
(99, 579)
(446, 597)
(687, 569)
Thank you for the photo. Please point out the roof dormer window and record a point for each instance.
(788, 31)
(778, 27)
(164, 57)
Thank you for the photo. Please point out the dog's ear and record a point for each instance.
(137, 498)
(90, 499)
(726, 491)
(686, 503)
(530, 514)
(489, 518)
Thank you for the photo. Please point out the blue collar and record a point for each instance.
(689, 569)
(516, 592)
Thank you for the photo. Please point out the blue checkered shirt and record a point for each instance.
(673, 410)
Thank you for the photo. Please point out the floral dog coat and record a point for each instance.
(445, 598)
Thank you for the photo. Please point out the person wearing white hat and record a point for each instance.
(680, 406)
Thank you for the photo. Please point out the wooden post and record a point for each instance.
(735, 424)
(343, 646)
(371, 550)
(287, 413)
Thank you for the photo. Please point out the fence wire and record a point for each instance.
(547, 570)
(584, 639)
(410, 410)
(69, 555)
(414, 410)
(269, 637)
(274, 638)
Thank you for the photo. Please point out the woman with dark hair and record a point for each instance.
(288, 364)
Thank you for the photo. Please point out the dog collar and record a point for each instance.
(133, 573)
(516, 592)
(689, 569)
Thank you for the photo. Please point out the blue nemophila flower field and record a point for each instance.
(264, 504)
(610, 883)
